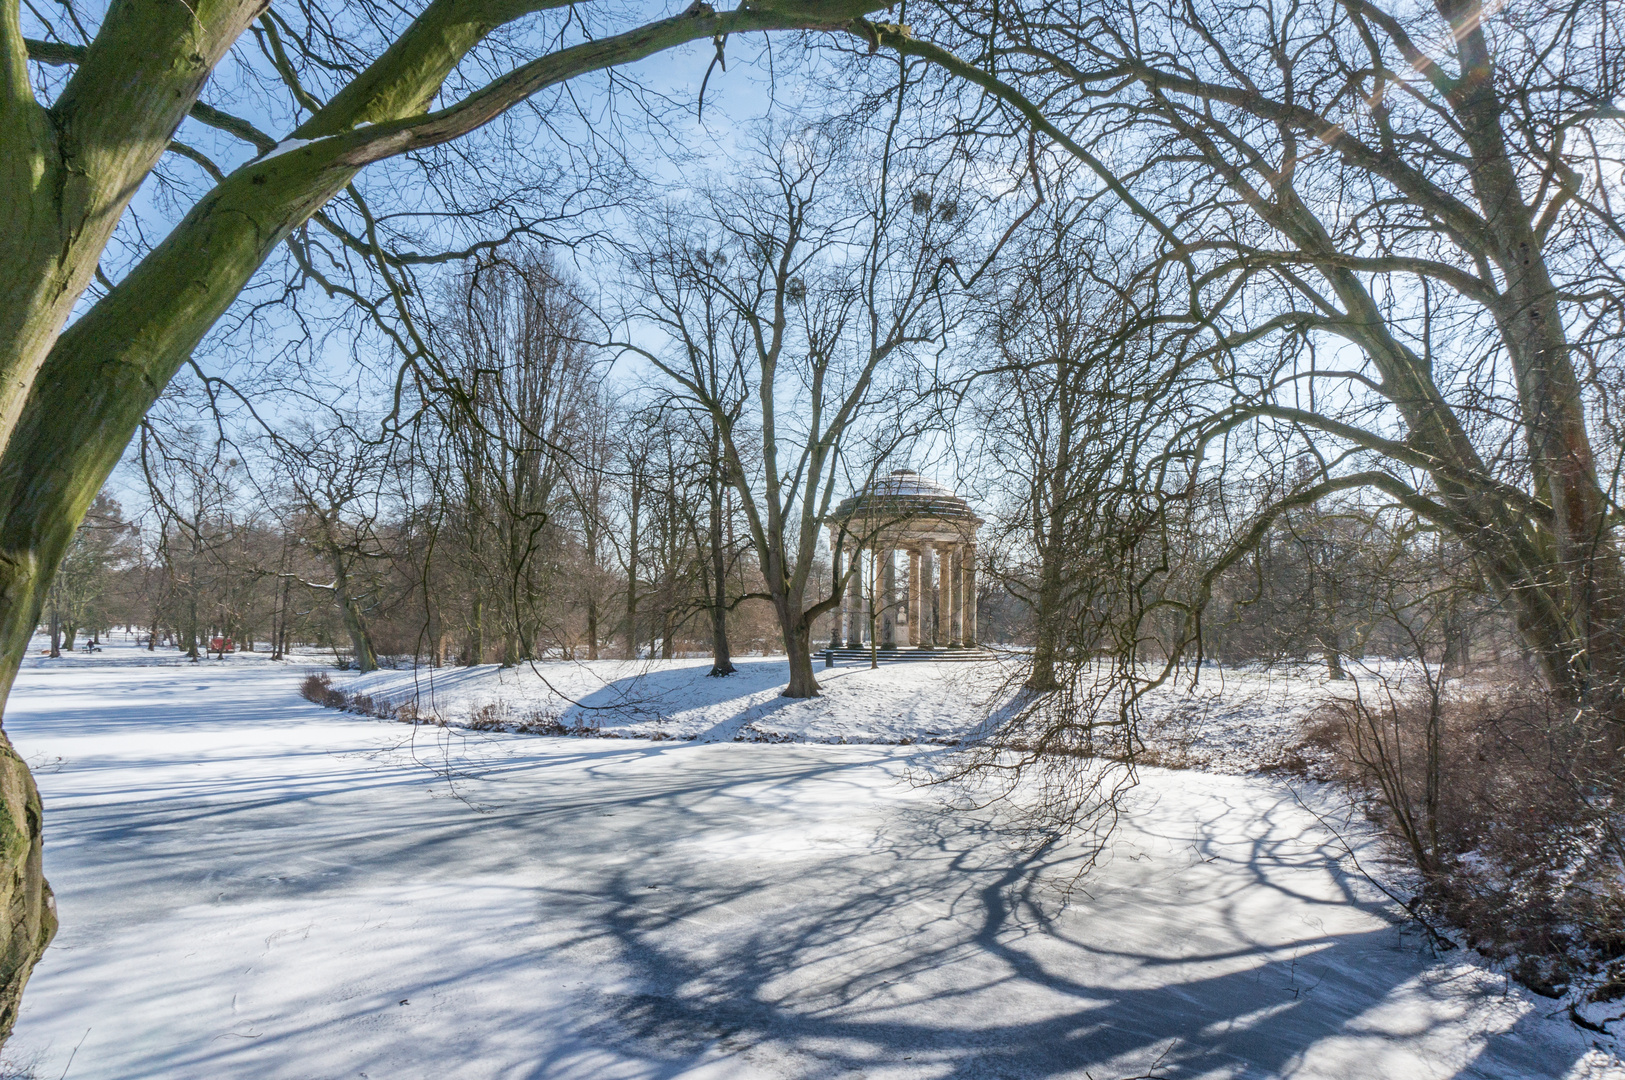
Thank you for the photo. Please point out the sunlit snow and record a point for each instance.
(253, 886)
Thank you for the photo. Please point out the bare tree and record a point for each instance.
(791, 291)
(1387, 236)
(101, 548)
(333, 477)
(511, 413)
(588, 478)
(1061, 412)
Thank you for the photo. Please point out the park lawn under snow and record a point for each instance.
(253, 886)
(1234, 721)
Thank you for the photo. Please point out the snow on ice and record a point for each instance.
(253, 886)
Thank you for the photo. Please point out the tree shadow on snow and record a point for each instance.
(964, 958)
(1215, 938)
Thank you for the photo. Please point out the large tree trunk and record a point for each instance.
(797, 631)
(798, 644)
(190, 630)
(1588, 577)
(366, 659)
(1046, 651)
(1051, 497)
(355, 624)
(24, 894)
(67, 175)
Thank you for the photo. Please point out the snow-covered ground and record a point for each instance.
(253, 886)
(1228, 721)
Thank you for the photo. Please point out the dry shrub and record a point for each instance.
(315, 687)
(541, 720)
(318, 688)
(22, 1068)
(1507, 803)
(538, 720)
(495, 716)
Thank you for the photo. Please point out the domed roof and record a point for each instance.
(906, 495)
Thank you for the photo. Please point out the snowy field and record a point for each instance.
(253, 886)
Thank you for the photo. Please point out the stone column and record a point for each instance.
(854, 602)
(956, 609)
(928, 627)
(888, 599)
(837, 623)
(914, 623)
(905, 605)
(970, 595)
(945, 595)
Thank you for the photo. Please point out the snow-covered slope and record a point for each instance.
(676, 699)
(1229, 721)
(255, 887)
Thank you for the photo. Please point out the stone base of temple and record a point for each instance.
(906, 654)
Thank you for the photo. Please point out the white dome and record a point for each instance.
(906, 495)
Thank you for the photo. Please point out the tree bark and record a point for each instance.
(1047, 616)
(797, 631)
(632, 574)
(190, 630)
(476, 631)
(356, 626)
(721, 658)
(24, 894)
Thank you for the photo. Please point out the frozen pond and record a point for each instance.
(251, 886)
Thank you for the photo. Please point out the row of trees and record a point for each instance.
(532, 502)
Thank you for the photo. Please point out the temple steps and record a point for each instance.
(908, 654)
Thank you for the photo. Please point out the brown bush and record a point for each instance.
(544, 721)
(492, 717)
(1507, 804)
(315, 688)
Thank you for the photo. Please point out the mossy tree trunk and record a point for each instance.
(355, 622)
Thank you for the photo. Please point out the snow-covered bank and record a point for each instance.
(1230, 721)
(675, 699)
(252, 886)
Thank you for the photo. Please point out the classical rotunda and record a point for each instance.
(907, 516)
